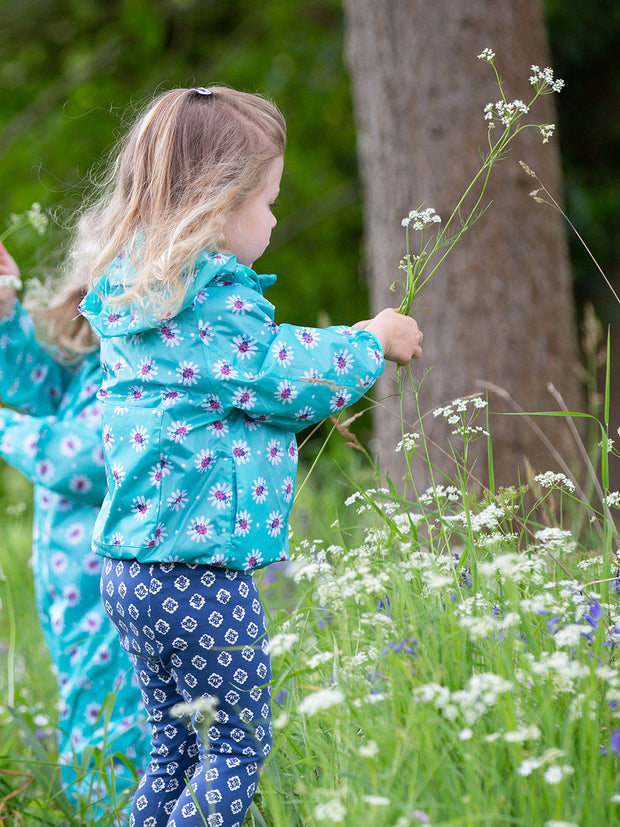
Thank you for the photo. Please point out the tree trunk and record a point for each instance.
(500, 309)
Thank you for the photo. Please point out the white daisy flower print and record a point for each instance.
(179, 430)
(343, 362)
(45, 470)
(147, 369)
(72, 595)
(244, 346)
(308, 337)
(169, 332)
(158, 536)
(135, 392)
(140, 508)
(30, 445)
(218, 428)
(92, 621)
(241, 451)
(38, 374)
(259, 490)
(339, 400)
(118, 473)
(138, 438)
(204, 460)
(376, 354)
(76, 533)
(283, 354)
(244, 399)
(59, 562)
(224, 370)
(254, 559)
(200, 530)
(293, 451)
(238, 305)
(114, 319)
(177, 500)
(275, 523)
(288, 488)
(70, 445)
(108, 435)
(305, 414)
(206, 332)
(286, 392)
(169, 396)
(188, 373)
(221, 495)
(213, 403)
(243, 523)
(80, 484)
(275, 452)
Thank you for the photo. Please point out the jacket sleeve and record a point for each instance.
(66, 458)
(31, 380)
(294, 376)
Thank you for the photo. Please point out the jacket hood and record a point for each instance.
(109, 317)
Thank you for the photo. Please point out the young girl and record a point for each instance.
(202, 396)
(53, 436)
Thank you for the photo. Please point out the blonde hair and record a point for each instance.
(187, 163)
(53, 303)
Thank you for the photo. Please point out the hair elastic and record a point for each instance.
(200, 90)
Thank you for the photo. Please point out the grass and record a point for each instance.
(448, 659)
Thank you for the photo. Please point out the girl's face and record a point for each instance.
(247, 231)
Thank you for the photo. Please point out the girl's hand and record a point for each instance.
(8, 267)
(398, 334)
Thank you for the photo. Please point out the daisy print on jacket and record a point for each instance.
(224, 412)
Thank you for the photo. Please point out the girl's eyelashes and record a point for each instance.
(274, 205)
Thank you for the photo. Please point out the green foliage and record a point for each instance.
(72, 72)
(583, 38)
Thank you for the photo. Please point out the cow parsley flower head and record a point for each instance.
(418, 219)
(487, 55)
(546, 130)
(544, 81)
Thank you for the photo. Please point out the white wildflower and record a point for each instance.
(376, 800)
(556, 772)
(281, 721)
(320, 700)
(543, 79)
(571, 634)
(333, 810)
(407, 443)
(551, 480)
(369, 750)
(519, 736)
(487, 54)
(546, 130)
(318, 659)
(418, 219)
(555, 823)
(466, 734)
(281, 643)
(555, 539)
(201, 710)
(612, 500)
(507, 113)
(528, 765)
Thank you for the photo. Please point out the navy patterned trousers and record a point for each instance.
(196, 634)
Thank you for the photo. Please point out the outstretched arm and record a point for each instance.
(65, 457)
(31, 380)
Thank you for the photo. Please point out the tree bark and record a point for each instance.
(500, 309)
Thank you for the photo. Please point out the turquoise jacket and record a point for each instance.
(200, 413)
(53, 436)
